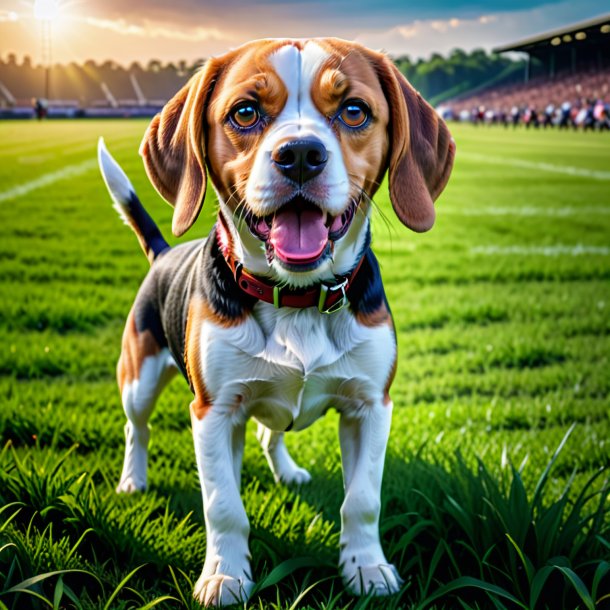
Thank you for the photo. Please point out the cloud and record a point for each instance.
(422, 37)
(152, 30)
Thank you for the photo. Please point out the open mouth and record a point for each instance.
(299, 235)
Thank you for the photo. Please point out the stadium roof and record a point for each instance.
(597, 26)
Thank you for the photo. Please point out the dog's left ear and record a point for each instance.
(173, 148)
(421, 149)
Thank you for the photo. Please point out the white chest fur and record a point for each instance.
(286, 367)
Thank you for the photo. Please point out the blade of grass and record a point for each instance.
(286, 568)
(58, 593)
(579, 585)
(601, 570)
(538, 583)
(545, 474)
(467, 581)
(527, 564)
(177, 586)
(42, 598)
(303, 593)
(157, 601)
(72, 597)
(125, 580)
(28, 582)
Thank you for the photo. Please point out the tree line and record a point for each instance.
(440, 78)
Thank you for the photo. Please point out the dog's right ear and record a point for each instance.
(173, 148)
(421, 148)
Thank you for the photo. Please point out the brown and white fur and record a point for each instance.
(243, 357)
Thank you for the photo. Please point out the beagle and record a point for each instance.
(280, 313)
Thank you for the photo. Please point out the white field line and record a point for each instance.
(522, 143)
(529, 210)
(35, 147)
(69, 171)
(567, 170)
(558, 250)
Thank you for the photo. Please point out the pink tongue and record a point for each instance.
(298, 234)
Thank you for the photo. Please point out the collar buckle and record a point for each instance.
(276, 296)
(325, 290)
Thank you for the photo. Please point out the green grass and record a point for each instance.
(502, 313)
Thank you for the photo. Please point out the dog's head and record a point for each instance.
(296, 136)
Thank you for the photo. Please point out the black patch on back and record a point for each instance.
(195, 269)
(147, 315)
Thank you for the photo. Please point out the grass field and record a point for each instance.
(503, 320)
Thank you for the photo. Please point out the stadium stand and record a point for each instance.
(567, 83)
(89, 89)
(159, 84)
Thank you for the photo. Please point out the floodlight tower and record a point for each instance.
(46, 11)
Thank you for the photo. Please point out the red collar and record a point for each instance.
(328, 298)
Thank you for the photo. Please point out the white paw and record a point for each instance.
(294, 476)
(380, 579)
(221, 590)
(128, 485)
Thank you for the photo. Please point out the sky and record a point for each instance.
(140, 30)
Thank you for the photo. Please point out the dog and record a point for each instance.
(280, 313)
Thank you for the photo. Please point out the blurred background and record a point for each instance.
(533, 63)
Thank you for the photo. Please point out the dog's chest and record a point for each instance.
(287, 367)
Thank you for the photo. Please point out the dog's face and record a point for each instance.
(297, 136)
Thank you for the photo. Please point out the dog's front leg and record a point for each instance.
(363, 435)
(226, 576)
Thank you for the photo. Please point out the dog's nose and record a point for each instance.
(300, 160)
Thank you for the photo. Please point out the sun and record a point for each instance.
(46, 10)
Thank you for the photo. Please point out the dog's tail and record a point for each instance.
(127, 204)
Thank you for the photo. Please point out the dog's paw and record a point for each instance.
(129, 485)
(382, 579)
(294, 476)
(222, 590)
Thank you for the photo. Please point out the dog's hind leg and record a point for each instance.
(143, 371)
(284, 468)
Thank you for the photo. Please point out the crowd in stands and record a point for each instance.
(579, 101)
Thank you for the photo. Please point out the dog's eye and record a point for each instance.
(246, 115)
(355, 113)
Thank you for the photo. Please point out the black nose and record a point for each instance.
(300, 160)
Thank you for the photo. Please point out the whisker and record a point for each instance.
(358, 177)
(240, 209)
(388, 225)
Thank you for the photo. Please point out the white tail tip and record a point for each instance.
(116, 180)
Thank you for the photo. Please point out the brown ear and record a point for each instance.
(173, 149)
(421, 150)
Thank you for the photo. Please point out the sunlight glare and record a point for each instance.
(46, 10)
